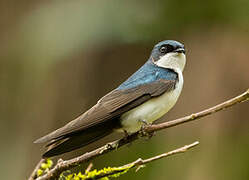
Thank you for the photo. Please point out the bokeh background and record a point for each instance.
(59, 57)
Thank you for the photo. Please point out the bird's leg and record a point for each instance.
(143, 132)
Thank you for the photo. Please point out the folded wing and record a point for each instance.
(102, 118)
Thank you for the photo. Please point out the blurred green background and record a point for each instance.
(59, 57)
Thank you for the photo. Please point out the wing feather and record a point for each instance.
(109, 107)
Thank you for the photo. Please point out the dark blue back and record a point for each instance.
(148, 73)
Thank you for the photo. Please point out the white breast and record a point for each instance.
(152, 109)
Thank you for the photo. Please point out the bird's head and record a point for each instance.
(169, 54)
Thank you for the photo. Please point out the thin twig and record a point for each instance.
(33, 175)
(239, 99)
(183, 149)
(68, 164)
(89, 167)
(139, 163)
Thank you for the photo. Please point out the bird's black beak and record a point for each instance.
(180, 50)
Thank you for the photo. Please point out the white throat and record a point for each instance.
(172, 60)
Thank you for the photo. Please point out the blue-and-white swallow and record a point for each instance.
(143, 98)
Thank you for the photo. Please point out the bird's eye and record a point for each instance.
(165, 49)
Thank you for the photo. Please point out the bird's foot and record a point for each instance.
(143, 131)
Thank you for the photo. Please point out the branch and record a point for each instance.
(33, 175)
(68, 164)
(239, 99)
(117, 171)
(183, 149)
(140, 162)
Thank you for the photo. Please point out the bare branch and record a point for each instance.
(239, 99)
(116, 171)
(89, 167)
(68, 164)
(33, 175)
(176, 151)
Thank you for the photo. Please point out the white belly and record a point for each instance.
(151, 110)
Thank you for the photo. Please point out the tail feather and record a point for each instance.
(69, 144)
(75, 141)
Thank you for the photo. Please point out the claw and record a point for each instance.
(143, 128)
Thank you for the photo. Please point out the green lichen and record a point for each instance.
(39, 172)
(103, 174)
(44, 167)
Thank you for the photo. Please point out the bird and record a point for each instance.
(144, 97)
